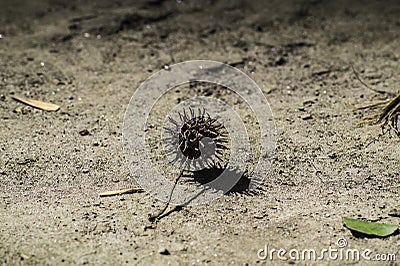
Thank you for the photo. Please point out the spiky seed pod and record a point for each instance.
(199, 136)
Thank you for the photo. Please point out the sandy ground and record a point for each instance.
(90, 56)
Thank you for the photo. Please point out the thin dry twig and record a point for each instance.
(155, 217)
(390, 115)
(371, 105)
(120, 192)
(369, 87)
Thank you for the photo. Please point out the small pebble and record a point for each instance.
(84, 132)
(164, 251)
(280, 60)
(395, 213)
(85, 171)
(307, 117)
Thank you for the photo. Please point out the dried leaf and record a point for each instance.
(37, 104)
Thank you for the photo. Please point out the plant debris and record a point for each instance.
(370, 228)
(37, 104)
(369, 87)
(389, 116)
(120, 192)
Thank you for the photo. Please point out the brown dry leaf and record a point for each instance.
(37, 104)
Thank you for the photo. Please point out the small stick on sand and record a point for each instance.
(369, 87)
(120, 192)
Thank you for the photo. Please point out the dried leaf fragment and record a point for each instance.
(37, 104)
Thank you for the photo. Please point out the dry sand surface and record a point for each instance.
(90, 56)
